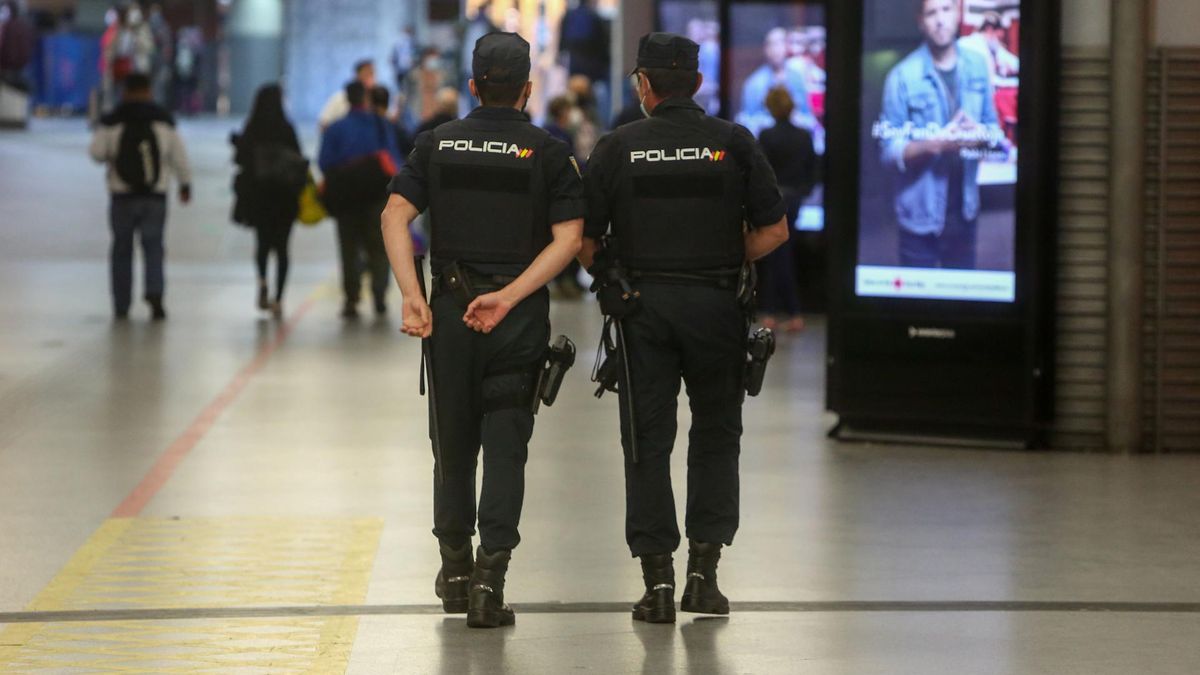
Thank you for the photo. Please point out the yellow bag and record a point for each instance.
(311, 209)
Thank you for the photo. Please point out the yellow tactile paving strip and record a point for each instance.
(145, 563)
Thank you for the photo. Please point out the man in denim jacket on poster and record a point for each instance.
(939, 119)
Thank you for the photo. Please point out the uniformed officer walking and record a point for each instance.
(677, 189)
(506, 207)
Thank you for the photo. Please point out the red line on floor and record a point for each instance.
(164, 468)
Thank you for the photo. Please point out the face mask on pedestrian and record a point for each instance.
(574, 118)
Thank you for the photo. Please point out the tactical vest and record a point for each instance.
(680, 196)
(488, 201)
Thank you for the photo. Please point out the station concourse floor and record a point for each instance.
(226, 493)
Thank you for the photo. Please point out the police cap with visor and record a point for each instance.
(500, 58)
(667, 51)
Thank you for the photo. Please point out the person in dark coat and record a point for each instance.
(789, 149)
(266, 204)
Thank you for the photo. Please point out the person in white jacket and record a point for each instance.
(338, 105)
(142, 150)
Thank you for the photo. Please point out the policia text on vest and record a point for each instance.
(505, 208)
(672, 195)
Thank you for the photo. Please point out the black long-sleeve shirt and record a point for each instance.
(789, 149)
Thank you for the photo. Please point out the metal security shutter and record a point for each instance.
(1172, 316)
(1082, 257)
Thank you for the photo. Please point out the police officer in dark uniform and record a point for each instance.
(506, 206)
(690, 200)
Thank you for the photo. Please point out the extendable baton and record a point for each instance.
(427, 375)
(629, 406)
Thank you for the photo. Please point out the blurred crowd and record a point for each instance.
(137, 40)
(365, 132)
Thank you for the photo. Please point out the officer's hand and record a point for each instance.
(418, 319)
(487, 311)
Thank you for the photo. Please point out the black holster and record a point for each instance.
(611, 283)
(560, 356)
(457, 281)
(747, 289)
(759, 348)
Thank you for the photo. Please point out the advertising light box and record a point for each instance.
(941, 124)
(938, 168)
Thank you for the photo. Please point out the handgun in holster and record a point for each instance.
(759, 349)
(560, 356)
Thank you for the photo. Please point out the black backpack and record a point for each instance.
(139, 162)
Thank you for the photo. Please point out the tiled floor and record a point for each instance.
(224, 463)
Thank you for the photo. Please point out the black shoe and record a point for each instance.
(121, 314)
(380, 307)
(350, 310)
(701, 594)
(454, 578)
(157, 311)
(658, 604)
(485, 601)
(264, 302)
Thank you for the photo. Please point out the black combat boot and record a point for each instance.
(658, 604)
(485, 606)
(454, 577)
(700, 594)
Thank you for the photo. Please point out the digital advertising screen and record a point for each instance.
(699, 21)
(939, 141)
(781, 46)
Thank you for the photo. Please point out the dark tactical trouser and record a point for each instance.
(470, 369)
(359, 236)
(697, 333)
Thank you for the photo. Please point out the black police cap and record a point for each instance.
(502, 58)
(667, 51)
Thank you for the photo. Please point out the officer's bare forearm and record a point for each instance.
(568, 240)
(762, 240)
(395, 221)
(587, 253)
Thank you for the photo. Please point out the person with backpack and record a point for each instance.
(141, 148)
(272, 173)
